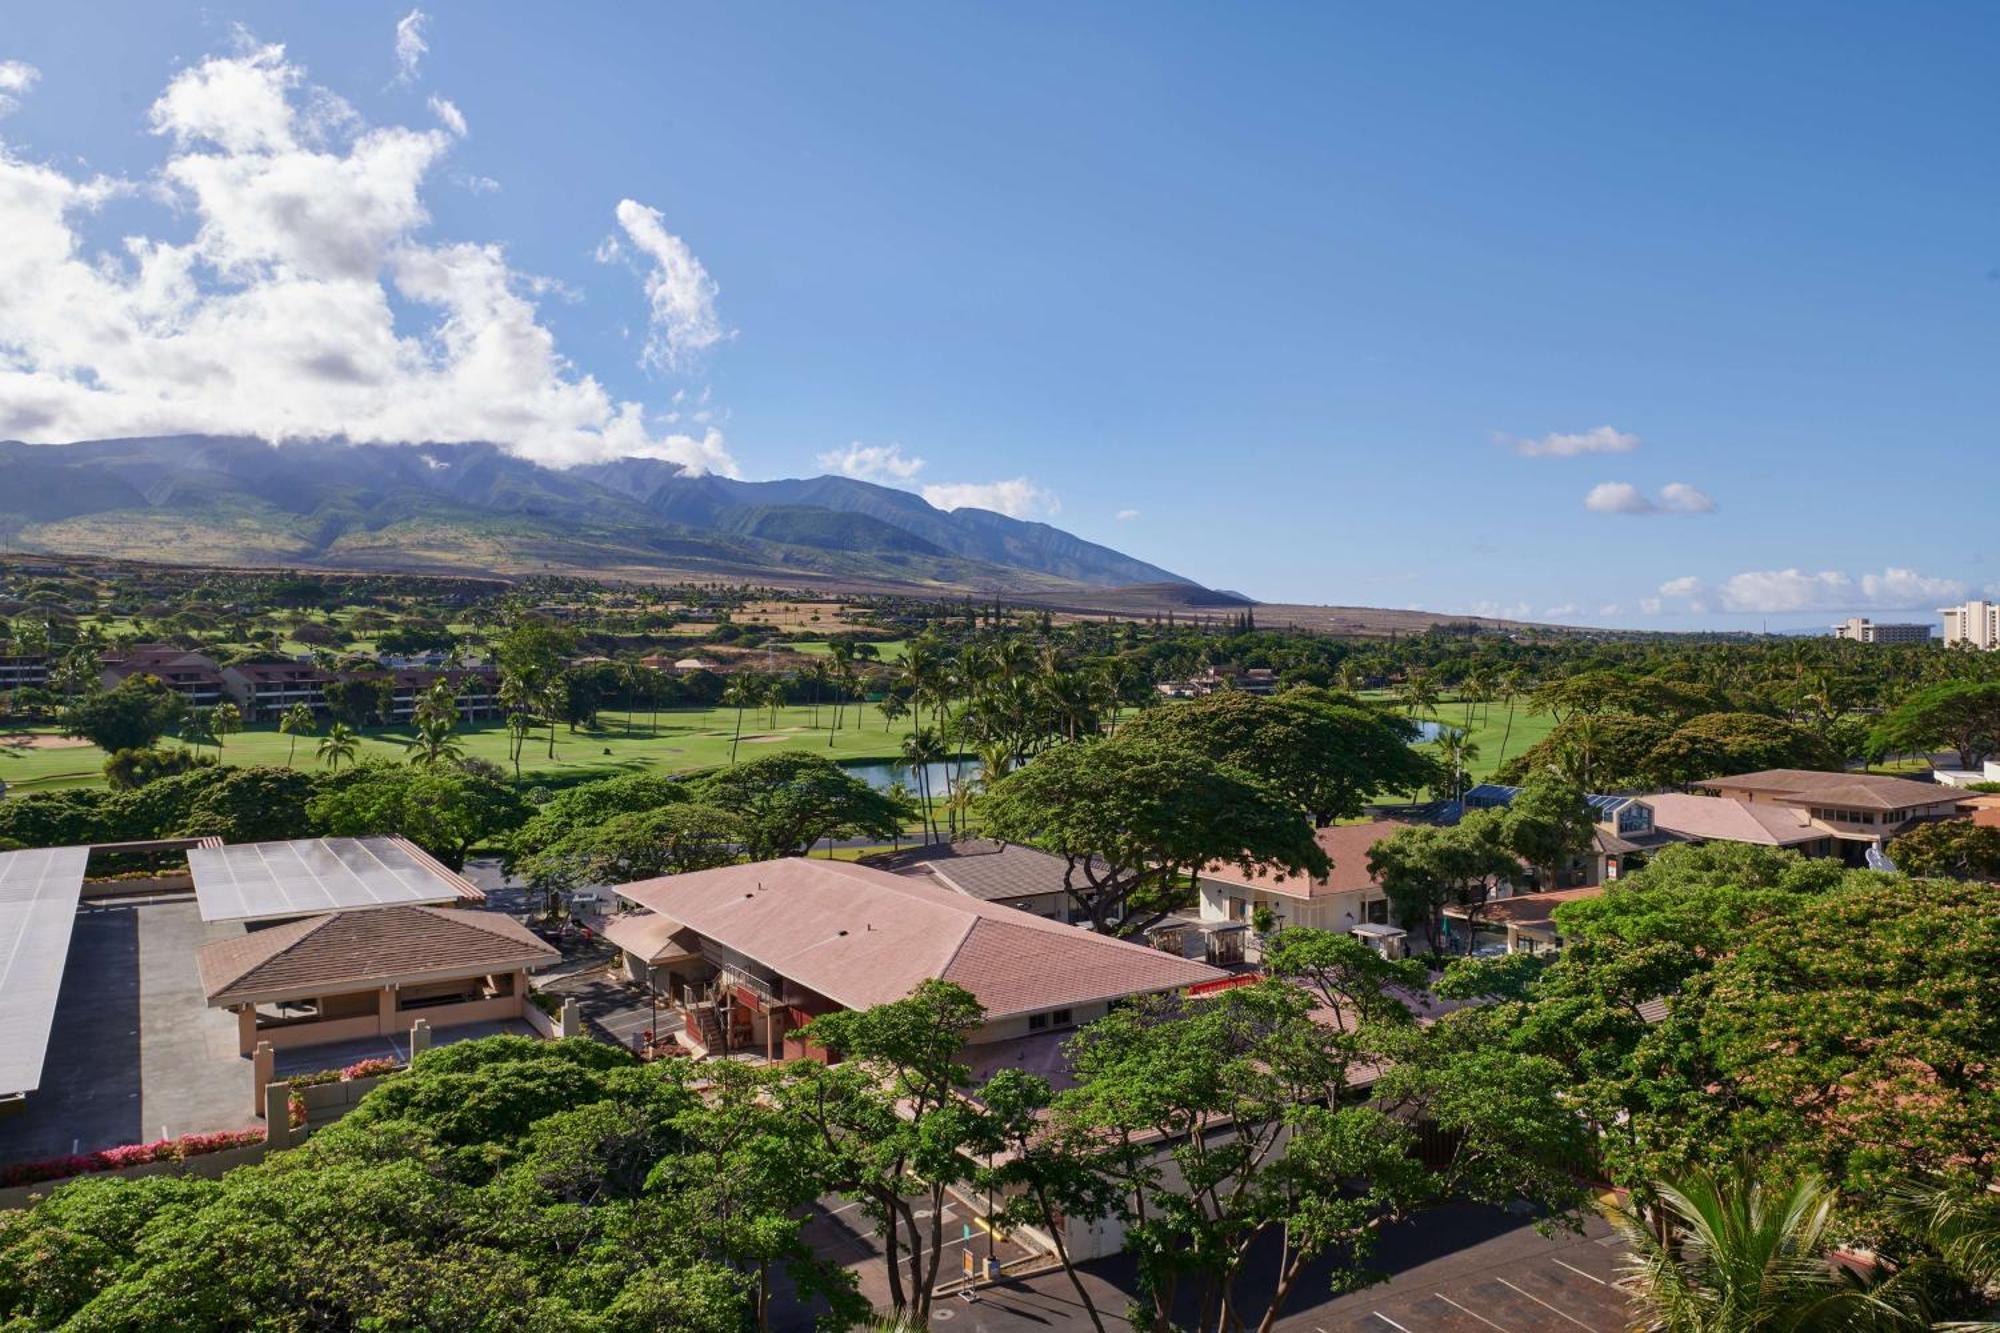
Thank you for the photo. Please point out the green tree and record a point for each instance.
(339, 746)
(435, 745)
(1717, 744)
(892, 1121)
(1325, 753)
(224, 720)
(787, 802)
(671, 840)
(1354, 982)
(1961, 715)
(1424, 869)
(131, 716)
(1548, 822)
(445, 812)
(297, 721)
(1948, 849)
(1136, 818)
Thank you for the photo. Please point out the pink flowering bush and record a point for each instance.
(369, 1069)
(130, 1154)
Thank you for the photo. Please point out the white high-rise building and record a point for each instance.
(1976, 624)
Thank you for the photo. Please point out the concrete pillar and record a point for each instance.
(278, 1115)
(571, 1022)
(386, 1010)
(246, 1029)
(261, 1065)
(420, 1038)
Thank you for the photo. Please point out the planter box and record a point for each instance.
(207, 1165)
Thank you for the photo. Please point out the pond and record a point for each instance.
(881, 774)
(1428, 730)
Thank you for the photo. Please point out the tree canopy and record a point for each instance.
(1135, 817)
(445, 811)
(130, 716)
(788, 801)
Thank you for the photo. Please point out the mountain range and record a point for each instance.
(464, 508)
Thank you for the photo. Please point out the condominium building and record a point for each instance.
(1975, 624)
(1863, 630)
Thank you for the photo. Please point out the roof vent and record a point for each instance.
(840, 932)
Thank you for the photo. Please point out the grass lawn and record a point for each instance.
(891, 650)
(1489, 728)
(38, 760)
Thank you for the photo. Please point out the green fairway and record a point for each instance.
(687, 739)
(1489, 730)
(888, 651)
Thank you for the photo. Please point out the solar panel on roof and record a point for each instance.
(270, 881)
(38, 893)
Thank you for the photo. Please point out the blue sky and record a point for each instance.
(1650, 317)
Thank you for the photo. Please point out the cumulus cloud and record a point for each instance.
(1126, 515)
(1775, 591)
(1567, 611)
(304, 304)
(16, 78)
(410, 44)
(1622, 497)
(872, 462)
(1019, 498)
(1617, 497)
(682, 295)
(1602, 440)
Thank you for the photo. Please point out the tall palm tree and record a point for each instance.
(298, 721)
(1738, 1256)
(920, 750)
(224, 719)
(338, 746)
(740, 693)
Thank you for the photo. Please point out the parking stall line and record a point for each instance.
(1580, 1273)
(1474, 1313)
(1545, 1305)
(1390, 1322)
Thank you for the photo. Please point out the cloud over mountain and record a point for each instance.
(308, 301)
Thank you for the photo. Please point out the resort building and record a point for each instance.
(1625, 833)
(1860, 629)
(265, 691)
(746, 954)
(1026, 879)
(23, 671)
(371, 972)
(1861, 809)
(1524, 923)
(1346, 898)
(193, 676)
(1975, 624)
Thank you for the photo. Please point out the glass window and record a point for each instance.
(1037, 1022)
(1063, 1019)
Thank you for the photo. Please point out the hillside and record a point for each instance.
(472, 508)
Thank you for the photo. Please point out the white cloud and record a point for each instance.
(872, 462)
(1495, 611)
(1677, 497)
(1617, 497)
(448, 115)
(16, 78)
(410, 44)
(1602, 440)
(1126, 515)
(1019, 498)
(479, 184)
(1611, 609)
(681, 293)
(1622, 497)
(304, 305)
(1567, 611)
(1650, 606)
(1776, 591)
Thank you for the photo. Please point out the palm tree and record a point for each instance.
(1456, 750)
(338, 746)
(892, 708)
(435, 745)
(921, 749)
(517, 740)
(517, 697)
(223, 720)
(297, 721)
(1735, 1256)
(740, 693)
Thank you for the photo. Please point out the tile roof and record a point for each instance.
(982, 868)
(862, 936)
(1530, 909)
(1721, 818)
(1866, 791)
(1346, 845)
(354, 950)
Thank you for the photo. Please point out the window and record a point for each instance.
(1063, 1019)
(1376, 911)
(1038, 1022)
(1239, 910)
